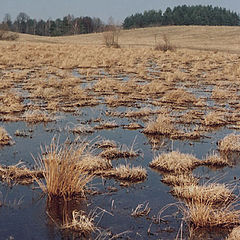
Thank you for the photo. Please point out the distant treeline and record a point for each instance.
(184, 15)
(68, 25)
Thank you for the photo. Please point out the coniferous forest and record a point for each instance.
(184, 15)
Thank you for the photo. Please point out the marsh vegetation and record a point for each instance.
(86, 127)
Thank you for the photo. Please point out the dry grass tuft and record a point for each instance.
(133, 126)
(216, 161)
(179, 96)
(175, 162)
(37, 116)
(235, 234)
(113, 153)
(230, 142)
(163, 125)
(179, 180)
(128, 173)
(214, 119)
(141, 210)
(20, 175)
(205, 215)
(213, 194)
(63, 178)
(80, 223)
(93, 164)
(5, 139)
(106, 144)
(81, 128)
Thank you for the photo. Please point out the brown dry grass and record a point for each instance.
(163, 125)
(113, 153)
(5, 139)
(37, 116)
(235, 234)
(205, 215)
(127, 173)
(179, 179)
(212, 194)
(60, 169)
(214, 119)
(19, 175)
(216, 161)
(175, 162)
(230, 142)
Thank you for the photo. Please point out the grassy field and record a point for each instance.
(220, 38)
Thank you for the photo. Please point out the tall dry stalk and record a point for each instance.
(63, 178)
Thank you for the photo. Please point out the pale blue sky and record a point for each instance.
(118, 9)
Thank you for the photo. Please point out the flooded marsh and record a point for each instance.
(104, 143)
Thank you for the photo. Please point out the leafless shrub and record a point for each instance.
(166, 45)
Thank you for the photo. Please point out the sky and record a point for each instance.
(118, 9)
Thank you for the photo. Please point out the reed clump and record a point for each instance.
(5, 139)
(62, 176)
(175, 162)
(229, 143)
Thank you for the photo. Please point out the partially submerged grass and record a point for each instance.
(230, 142)
(37, 116)
(114, 153)
(175, 162)
(20, 175)
(163, 125)
(214, 119)
(80, 223)
(127, 173)
(93, 164)
(141, 210)
(62, 176)
(216, 161)
(179, 179)
(213, 194)
(106, 144)
(205, 215)
(5, 139)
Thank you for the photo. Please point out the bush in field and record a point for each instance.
(165, 46)
(8, 36)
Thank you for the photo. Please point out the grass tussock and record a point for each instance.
(107, 125)
(205, 215)
(213, 194)
(216, 161)
(5, 139)
(179, 96)
(175, 162)
(37, 116)
(93, 164)
(106, 144)
(80, 223)
(19, 175)
(133, 126)
(114, 153)
(230, 142)
(63, 178)
(81, 129)
(179, 179)
(214, 119)
(127, 173)
(11, 102)
(163, 125)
